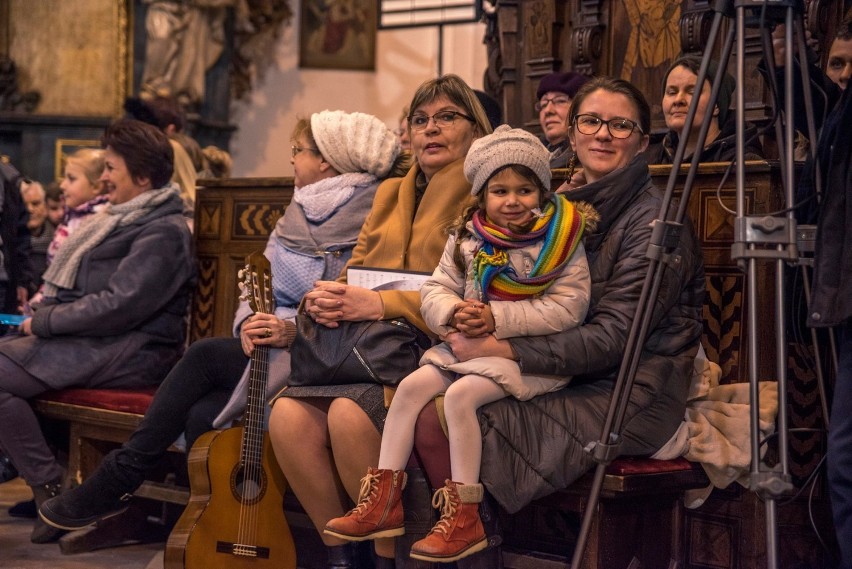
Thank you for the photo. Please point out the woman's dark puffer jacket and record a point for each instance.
(722, 149)
(533, 448)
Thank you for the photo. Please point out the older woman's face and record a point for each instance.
(307, 163)
(435, 147)
(119, 184)
(680, 86)
(601, 153)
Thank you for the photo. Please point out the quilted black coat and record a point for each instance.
(535, 447)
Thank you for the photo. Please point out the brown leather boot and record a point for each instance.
(459, 532)
(379, 511)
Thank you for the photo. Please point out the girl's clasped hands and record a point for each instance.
(473, 318)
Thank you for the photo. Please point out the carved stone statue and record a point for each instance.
(185, 38)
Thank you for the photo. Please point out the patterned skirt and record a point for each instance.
(369, 396)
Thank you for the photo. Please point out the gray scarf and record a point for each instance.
(62, 272)
(320, 199)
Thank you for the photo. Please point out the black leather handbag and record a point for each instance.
(381, 351)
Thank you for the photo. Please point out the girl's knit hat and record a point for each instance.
(501, 148)
(355, 142)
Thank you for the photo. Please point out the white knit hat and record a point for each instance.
(501, 148)
(355, 142)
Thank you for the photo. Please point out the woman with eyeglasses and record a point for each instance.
(609, 120)
(553, 101)
(679, 86)
(325, 437)
(339, 159)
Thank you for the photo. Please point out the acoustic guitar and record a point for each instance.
(235, 516)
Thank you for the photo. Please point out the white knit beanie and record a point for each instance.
(355, 142)
(501, 148)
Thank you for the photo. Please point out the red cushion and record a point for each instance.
(633, 465)
(122, 400)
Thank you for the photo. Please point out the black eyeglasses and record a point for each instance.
(618, 128)
(444, 119)
(556, 101)
(297, 149)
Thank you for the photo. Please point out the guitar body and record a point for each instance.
(223, 495)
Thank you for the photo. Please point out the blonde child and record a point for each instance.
(513, 266)
(83, 193)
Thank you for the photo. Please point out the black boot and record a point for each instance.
(43, 533)
(341, 556)
(24, 510)
(104, 494)
(7, 469)
(21, 509)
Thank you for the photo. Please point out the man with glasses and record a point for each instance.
(554, 95)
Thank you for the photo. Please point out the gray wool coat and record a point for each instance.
(533, 448)
(123, 324)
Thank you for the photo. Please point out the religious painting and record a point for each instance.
(338, 34)
(77, 55)
(652, 44)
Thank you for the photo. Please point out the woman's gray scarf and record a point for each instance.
(62, 272)
(321, 199)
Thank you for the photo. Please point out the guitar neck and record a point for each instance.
(255, 413)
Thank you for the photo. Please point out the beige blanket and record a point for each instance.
(715, 431)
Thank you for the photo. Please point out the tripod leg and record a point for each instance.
(818, 366)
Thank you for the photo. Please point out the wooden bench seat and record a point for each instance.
(99, 420)
(639, 520)
(639, 511)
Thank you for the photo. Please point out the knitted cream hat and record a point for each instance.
(355, 142)
(505, 146)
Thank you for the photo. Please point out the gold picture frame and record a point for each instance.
(338, 34)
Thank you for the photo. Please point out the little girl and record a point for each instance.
(513, 266)
(83, 193)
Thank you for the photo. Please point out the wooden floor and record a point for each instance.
(16, 551)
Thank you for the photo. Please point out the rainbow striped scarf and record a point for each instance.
(560, 227)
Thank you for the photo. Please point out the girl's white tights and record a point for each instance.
(463, 397)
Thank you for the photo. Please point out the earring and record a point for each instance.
(572, 165)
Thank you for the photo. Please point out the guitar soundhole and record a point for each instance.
(248, 484)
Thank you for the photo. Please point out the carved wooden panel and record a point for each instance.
(725, 317)
(232, 219)
(252, 220)
(729, 532)
(204, 299)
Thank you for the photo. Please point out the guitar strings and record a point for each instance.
(253, 436)
(253, 433)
